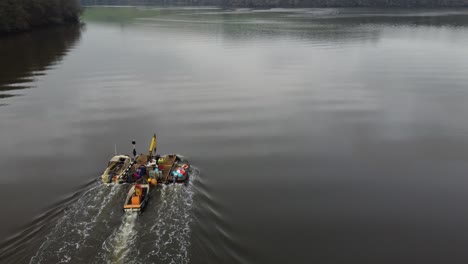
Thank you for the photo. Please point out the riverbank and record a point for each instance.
(23, 15)
(285, 3)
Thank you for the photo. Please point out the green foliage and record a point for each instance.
(152, 2)
(19, 15)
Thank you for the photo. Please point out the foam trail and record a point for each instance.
(74, 227)
(172, 228)
(119, 243)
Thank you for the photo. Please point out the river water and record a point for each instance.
(317, 136)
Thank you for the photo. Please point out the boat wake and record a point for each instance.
(168, 234)
(94, 228)
(119, 244)
(74, 231)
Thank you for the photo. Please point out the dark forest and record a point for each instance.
(287, 3)
(21, 15)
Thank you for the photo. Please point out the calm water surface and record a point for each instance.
(318, 136)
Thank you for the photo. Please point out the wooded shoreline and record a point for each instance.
(23, 15)
(286, 3)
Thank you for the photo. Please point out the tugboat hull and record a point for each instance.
(137, 198)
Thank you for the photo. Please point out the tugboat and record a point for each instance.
(137, 198)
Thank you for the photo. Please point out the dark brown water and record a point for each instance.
(318, 136)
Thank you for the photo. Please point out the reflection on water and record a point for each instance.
(28, 55)
(322, 136)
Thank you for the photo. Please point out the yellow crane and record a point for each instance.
(153, 146)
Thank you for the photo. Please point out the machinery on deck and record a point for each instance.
(152, 167)
(143, 171)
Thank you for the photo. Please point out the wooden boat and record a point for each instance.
(180, 171)
(151, 167)
(170, 168)
(116, 169)
(137, 198)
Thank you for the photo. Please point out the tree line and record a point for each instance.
(153, 2)
(345, 3)
(20, 15)
(287, 3)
